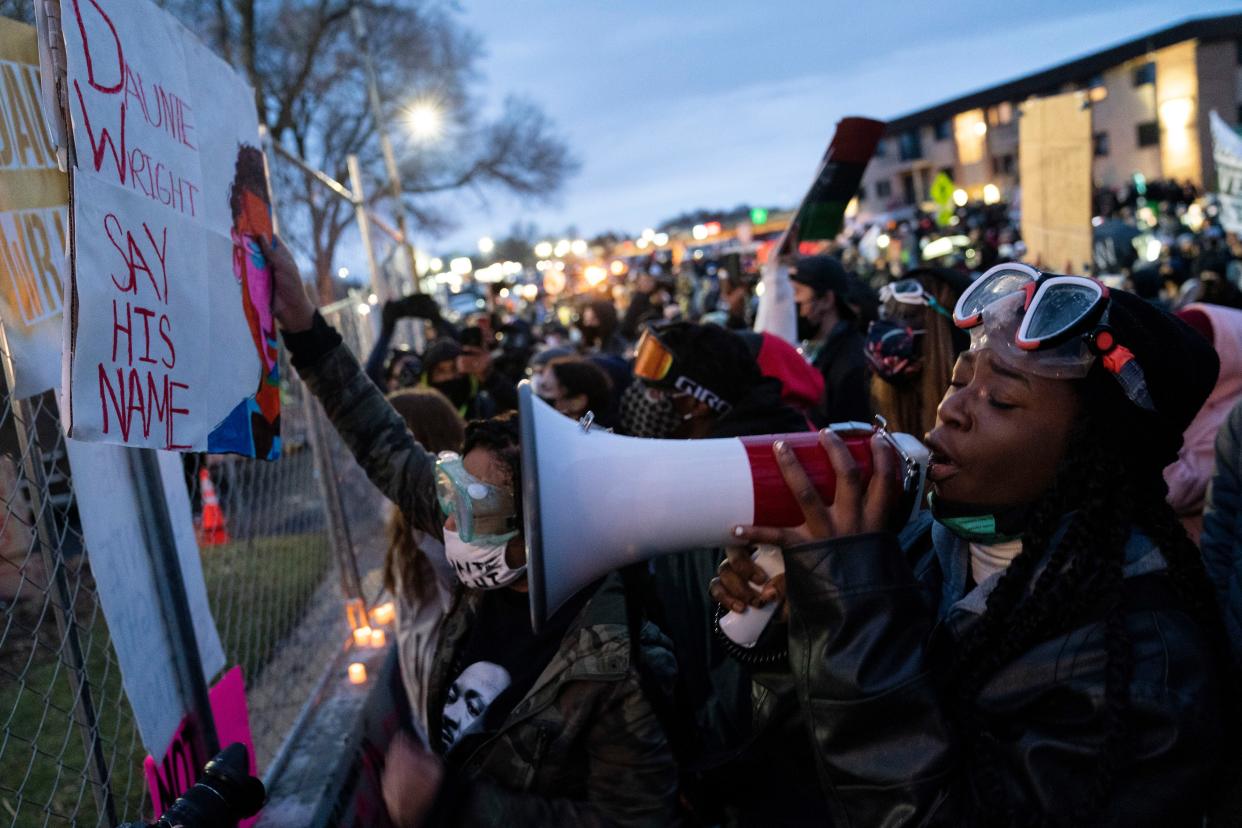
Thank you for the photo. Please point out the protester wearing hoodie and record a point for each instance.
(717, 390)
(1189, 476)
(442, 371)
(832, 341)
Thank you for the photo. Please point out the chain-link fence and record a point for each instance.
(275, 568)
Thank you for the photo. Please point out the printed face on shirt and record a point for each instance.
(468, 699)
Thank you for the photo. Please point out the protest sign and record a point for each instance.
(171, 342)
(124, 580)
(1227, 152)
(1055, 168)
(182, 764)
(34, 219)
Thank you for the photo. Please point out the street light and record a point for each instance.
(543, 250)
(424, 120)
(486, 245)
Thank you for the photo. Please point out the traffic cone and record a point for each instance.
(212, 530)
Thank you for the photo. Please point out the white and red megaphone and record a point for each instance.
(594, 502)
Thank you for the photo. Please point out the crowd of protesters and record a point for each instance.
(1053, 639)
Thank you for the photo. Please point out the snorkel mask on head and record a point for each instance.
(1047, 325)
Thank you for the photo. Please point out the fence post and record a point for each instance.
(62, 600)
(161, 543)
(379, 285)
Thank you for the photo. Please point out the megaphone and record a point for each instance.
(594, 502)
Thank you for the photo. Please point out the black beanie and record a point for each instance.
(1179, 366)
(711, 357)
(442, 350)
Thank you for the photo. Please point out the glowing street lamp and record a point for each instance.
(486, 245)
(424, 120)
(543, 250)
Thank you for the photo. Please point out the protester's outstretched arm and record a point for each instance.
(394, 461)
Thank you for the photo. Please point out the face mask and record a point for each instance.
(807, 330)
(975, 524)
(457, 390)
(480, 566)
(590, 333)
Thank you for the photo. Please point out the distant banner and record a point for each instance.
(1227, 151)
(820, 217)
(34, 218)
(171, 343)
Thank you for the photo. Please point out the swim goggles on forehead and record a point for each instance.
(1048, 325)
(484, 513)
(912, 292)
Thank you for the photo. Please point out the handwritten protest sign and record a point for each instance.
(182, 763)
(34, 219)
(171, 343)
(121, 565)
(1227, 151)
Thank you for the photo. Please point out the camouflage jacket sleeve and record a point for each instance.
(374, 432)
(632, 779)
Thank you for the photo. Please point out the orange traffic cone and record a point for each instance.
(212, 531)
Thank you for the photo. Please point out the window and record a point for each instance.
(881, 148)
(1099, 143)
(909, 146)
(1149, 134)
(1145, 74)
(883, 188)
(942, 130)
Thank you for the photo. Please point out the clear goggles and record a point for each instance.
(912, 292)
(1047, 325)
(484, 513)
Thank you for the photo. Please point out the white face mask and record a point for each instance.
(480, 566)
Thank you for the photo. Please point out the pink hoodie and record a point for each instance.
(1188, 477)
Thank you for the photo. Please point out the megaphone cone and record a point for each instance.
(594, 502)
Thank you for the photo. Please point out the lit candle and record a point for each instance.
(377, 638)
(362, 636)
(357, 673)
(383, 614)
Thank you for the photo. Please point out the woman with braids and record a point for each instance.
(523, 729)
(1047, 652)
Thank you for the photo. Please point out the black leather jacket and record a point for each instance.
(866, 647)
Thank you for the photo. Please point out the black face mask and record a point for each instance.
(590, 333)
(807, 330)
(457, 390)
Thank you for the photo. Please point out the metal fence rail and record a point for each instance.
(69, 748)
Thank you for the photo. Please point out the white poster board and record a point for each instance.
(121, 565)
(1227, 151)
(171, 343)
(34, 219)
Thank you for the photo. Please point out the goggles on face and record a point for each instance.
(912, 292)
(1047, 325)
(484, 513)
(652, 360)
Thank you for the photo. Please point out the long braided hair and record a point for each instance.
(1106, 487)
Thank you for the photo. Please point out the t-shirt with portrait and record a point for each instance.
(501, 658)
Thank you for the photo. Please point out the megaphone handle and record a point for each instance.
(744, 628)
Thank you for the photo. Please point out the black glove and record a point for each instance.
(417, 305)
